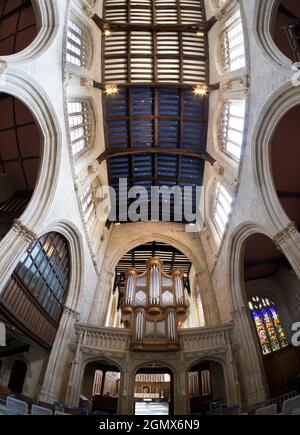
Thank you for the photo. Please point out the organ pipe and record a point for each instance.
(179, 290)
(130, 290)
(154, 285)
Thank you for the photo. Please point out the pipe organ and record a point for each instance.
(154, 306)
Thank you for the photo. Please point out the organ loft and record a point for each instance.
(154, 307)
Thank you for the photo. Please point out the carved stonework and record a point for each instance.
(219, 169)
(285, 236)
(93, 167)
(24, 232)
(87, 9)
(72, 313)
(245, 82)
(226, 85)
(3, 66)
(86, 82)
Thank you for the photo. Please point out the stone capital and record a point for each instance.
(3, 66)
(87, 9)
(25, 233)
(285, 235)
(86, 82)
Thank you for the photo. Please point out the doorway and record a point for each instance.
(17, 377)
(100, 388)
(153, 391)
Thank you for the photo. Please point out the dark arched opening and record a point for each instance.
(271, 291)
(20, 153)
(285, 164)
(286, 30)
(18, 27)
(207, 390)
(100, 387)
(17, 377)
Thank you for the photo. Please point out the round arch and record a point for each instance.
(188, 245)
(75, 241)
(102, 359)
(22, 87)
(264, 18)
(285, 99)
(47, 19)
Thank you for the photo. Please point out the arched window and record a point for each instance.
(233, 44)
(77, 45)
(44, 271)
(90, 203)
(232, 127)
(269, 328)
(80, 123)
(222, 207)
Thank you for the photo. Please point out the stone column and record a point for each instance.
(231, 377)
(288, 242)
(208, 298)
(54, 377)
(252, 376)
(13, 246)
(101, 300)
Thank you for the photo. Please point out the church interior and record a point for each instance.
(149, 207)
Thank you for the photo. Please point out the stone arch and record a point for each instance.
(191, 247)
(102, 359)
(264, 18)
(211, 359)
(74, 238)
(46, 17)
(276, 108)
(24, 88)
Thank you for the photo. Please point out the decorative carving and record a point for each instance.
(3, 66)
(245, 82)
(219, 169)
(86, 82)
(87, 9)
(285, 235)
(24, 232)
(93, 167)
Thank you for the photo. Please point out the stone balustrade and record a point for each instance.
(117, 339)
(200, 339)
(107, 339)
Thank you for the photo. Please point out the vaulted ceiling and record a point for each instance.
(156, 127)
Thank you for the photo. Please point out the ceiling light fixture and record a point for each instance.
(107, 31)
(111, 89)
(200, 34)
(201, 90)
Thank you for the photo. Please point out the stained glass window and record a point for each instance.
(269, 328)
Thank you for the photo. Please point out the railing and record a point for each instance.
(113, 339)
(117, 339)
(205, 338)
(278, 401)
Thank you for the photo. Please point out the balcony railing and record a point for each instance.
(94, 337)
(117, 339)
(200, 339)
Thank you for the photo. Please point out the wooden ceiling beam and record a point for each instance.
(113, 153)
(157, 85)
(136, 27)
